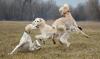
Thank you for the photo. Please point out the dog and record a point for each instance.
(46, 31)
(66, 24)
(26, 42)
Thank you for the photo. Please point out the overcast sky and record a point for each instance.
(73, 3)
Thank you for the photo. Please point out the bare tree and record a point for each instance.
(92, 9)
(26, 9)
(88, 11)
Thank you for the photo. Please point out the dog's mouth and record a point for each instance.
(37, 26)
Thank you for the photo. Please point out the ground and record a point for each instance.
(80, 48)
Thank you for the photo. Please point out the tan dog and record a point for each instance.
(66, 24)
(46, 31)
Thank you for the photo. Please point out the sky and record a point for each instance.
(73, 3)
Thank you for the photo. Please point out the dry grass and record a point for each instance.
(81, 47)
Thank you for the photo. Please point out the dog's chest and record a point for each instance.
(25, 38)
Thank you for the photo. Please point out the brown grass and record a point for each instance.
(81, 47)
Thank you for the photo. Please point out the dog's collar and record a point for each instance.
(67, 12)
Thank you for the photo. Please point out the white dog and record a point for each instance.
(66, 24)
(26, 42)
(46, 30)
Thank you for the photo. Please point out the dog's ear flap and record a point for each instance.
(40, 20)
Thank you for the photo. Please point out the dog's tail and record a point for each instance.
(80, 30)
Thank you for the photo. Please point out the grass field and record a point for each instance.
(81, 47)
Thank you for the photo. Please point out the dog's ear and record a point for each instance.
(40, 20)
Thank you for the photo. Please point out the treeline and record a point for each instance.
(30, 9)
(87, 11)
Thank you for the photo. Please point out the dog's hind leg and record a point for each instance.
(19, 45)
(64, 39)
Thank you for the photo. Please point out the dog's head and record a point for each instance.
(29, 27)
(64, 9)
(38, 22)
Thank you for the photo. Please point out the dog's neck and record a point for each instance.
(41, 26)
(67, 15)
(28, 32)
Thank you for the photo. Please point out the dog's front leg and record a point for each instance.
(53, 38)
(64, 39)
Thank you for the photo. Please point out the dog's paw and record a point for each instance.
(68, 44)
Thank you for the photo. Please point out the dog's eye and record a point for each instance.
(37, 21)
